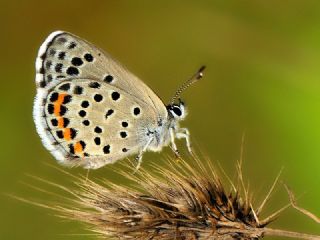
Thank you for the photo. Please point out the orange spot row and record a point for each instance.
(67, 134)
(58, 103)
(60, 122)
(78, 147)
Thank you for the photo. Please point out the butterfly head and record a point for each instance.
(178, 110)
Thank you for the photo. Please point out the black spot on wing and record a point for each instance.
(98, 129)
(82, 113)
(94, 85)
(61, 40)
(41, 70)
(63, 110)
(61, 55)
(54, 122)
(98, 97)
(88, 57)
(71, 148)
(123, 134)
(97, 140)
(49, 77)
(42, 84)
(59, 134)
(78, 90)
(50, 108)
(43, 56)
(52, 52)
(72, 71)
(76, 61)
(73, 133)
(66, 122)
(48, 64)
(65, 87)
(58, 67)
(67, 99)
(108, 79)
(54, 96)
(115, 96)
(72, 45)
(106, 149)
(85, 104)
(109, 113)
(83, 144)
(136, 111)
(86, 122)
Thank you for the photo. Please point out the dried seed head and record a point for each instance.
(176, 201)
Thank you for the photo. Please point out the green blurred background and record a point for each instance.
(262, 78)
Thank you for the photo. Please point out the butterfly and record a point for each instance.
(90, 111)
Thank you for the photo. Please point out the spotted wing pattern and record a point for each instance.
(94, 122)
(70, 72)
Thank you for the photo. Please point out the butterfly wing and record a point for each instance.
(64, 55)
(70, 72)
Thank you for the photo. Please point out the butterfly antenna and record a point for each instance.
(197, 76)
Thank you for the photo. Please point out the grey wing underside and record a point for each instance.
(64, 57)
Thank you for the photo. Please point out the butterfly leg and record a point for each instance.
(184, 133)
(173, 144)
(139, 156)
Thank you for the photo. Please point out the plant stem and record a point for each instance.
(289, 234)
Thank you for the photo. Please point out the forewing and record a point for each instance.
(64, 55)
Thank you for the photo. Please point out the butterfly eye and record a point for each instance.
(177, 111)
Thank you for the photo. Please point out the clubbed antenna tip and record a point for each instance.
(200, 72)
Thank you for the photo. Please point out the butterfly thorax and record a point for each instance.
(161, 134)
